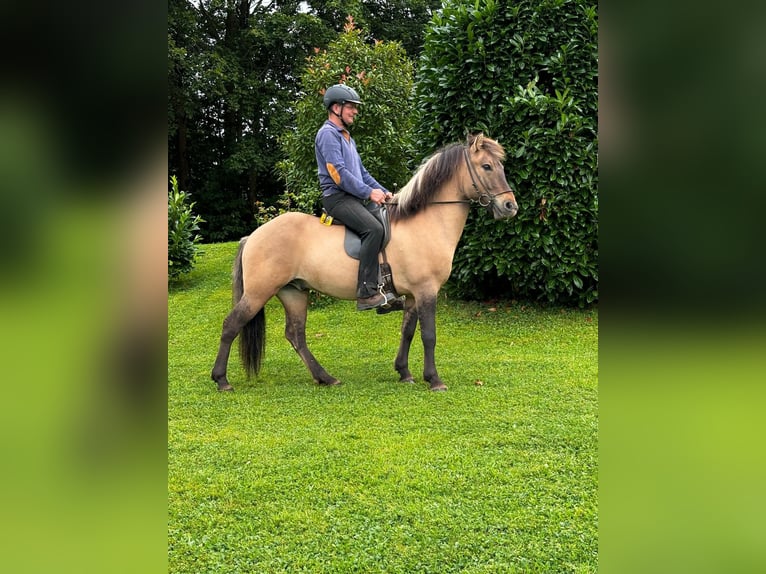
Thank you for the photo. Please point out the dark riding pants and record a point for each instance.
(354, 214)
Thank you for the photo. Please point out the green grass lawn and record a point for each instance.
(498, 474)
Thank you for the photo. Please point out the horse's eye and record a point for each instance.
(487, 167)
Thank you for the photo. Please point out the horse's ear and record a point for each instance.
(476, 141)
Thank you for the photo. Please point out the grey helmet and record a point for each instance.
(340, 94)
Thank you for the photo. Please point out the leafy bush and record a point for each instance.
(383, 77)
(526, 74)
(183, 226)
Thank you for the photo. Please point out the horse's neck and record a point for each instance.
(445, 220)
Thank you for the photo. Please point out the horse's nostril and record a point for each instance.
(509, 205)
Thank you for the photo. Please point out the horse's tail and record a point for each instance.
(252, 338)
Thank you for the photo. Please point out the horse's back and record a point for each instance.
(290, 219)
(294, 246)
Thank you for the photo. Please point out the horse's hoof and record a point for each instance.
(225, 387)
(409, 380)
(439, 387)
(331, 383)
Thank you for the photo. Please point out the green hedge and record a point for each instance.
(525, 73)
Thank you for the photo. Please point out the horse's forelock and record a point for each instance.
(494, 148)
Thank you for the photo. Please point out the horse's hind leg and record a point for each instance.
(295, 302)
(409, 323)
(232, 325)
(235, 321)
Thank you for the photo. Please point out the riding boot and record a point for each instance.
(370, 302)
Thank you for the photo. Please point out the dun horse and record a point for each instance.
(294, 253)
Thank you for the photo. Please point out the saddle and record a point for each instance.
(352, 244)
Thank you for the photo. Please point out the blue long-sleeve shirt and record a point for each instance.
(340, 167)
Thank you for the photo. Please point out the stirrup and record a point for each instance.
(393, 303)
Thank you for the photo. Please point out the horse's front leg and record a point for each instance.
(409, 323)
(427, 316)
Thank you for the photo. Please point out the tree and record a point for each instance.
(183, 46)
(525, 73)
(382, 75)
(232, 84)
(389, 20)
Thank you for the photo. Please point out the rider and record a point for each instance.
(349, 192)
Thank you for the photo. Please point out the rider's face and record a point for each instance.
(349, 112)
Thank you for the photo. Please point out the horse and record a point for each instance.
(295, 252)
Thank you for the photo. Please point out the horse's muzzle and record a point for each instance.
(505, 209)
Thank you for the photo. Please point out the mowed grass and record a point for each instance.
(497, 474)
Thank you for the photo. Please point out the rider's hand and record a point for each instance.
(378, 196)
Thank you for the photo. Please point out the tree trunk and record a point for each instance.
(183, 157)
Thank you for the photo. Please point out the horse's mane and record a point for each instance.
(434, 172)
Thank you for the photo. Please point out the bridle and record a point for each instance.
(486, 197)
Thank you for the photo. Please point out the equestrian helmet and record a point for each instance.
(340, 94)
